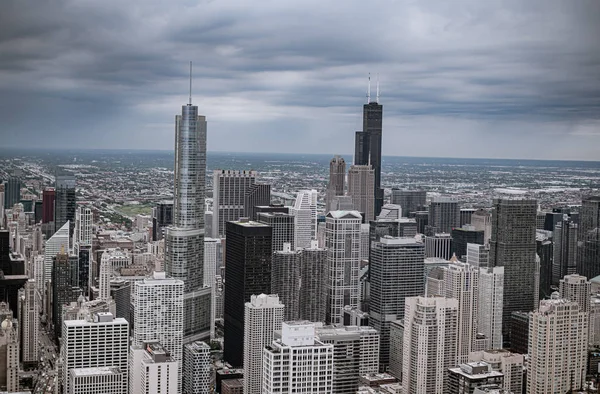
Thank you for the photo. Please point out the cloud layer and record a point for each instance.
(463, 78)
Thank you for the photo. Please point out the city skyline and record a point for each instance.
(490, 80)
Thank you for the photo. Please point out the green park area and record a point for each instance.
(134, 209)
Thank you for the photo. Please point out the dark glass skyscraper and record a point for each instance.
(411, 201)
(65, 203)
(48, 198)
(258, 194)
(12, 192)
(162, 216)
(588, 261)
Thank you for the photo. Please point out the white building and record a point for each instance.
(558, 338)
(576, 288)
(98, 380)
(152, 370)
(429, 344)
(305, 218)
(212, 257)
(229, 190)
(364, 241)
(297, 363)
(101, 341)
(158, 314)
(197, 369)
(58, 241)
(262, 316)
(83, 229)
(510, 364)
(342, 240)
(478, 255)
(29, 311)
(490, 302)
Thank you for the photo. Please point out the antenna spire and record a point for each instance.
(377, 89)
(190, 102)
(369, 90)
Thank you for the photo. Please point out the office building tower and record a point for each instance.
(106, 271)
(519, 332)
(313, 292)
(159, 314)
(65, 202)
(461, 282)
(438, 245)
(367, 145)
(594, 326)
(478, 255)
(361, 184)
(248, 272)
(285, 280)
(422, 219)
(390, 212)
(565, 250)
(272, 208)
(429, 344)
(467, 377)
(64, 287)
(304, 211)
(444, 214)
(411, 201)
(342, 240)
(60, 240)
(263, 315)
(558, 336)
(355, 353)
(229, 191)
(258, 194)
(489, 306)
(9, 350)
(545, 251)
(396, 272)
(552, 219)
(98, 341)
(283, 228)
(162, 217)
(465, 216)
(213, 259)
(99, 380)
(233, 386)
(48, 198)
(337, 181)
(513, 247)
(2, 199)
(184, 239)
(576, 288)
(84, 221)
(298, 362)
(120, 292)
(197, 369)
(153, 370)
(29, 320)
(501, 360)
(482, 221)
(364, 242)
(12, 192)
(463, 236)
(588, 259)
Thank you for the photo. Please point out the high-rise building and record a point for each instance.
(298, 362)
(258, 194)
(48, 197)
(467, 377)
(337, 181)
(213, 261)
(98, 341)
(489, 308)
(197, 369)
(263, 315)
(98, 380)
(304, 211)
(576, 288)
(313, 292)
(65, 202)
(465, 216)
(558, 338)
(513, 247)
(9, 350)
(159, 314)
(501, 360)
(60, 240)
(565, 250)
(588, 258)
(153, 370)
(482, 221)
(83, 229)
(64, 287)
(478, 255)
(285, 280)
(463, 236)
(12, 192)
(29, 320)
(361, 184)
(184, 239)
(444, 214)
(229, 191)
(247, 272)
(342, 240)
(429, 344)
(162, 216)
(396, 272)
(545, 251)
(283, 228)
(106, 270)
(411, 201)
(438, 245)
(367, 148)
(120, 292)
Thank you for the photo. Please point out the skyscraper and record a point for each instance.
(29, 323)
(258, 194)
(229, 193)
(162, 216)
(513, 247)
(313, 292)
(285, 280)
(576, 288)
(48, 197)
(197, 369)
(438, 245)
(305, 218)
(84, 221)
(153, 370)
(410, 200)
(565, 250)
(248, 272)
(396, 272)
(465, 235)
(12, 192)
(361, 185)
(588, 259)
(367, 149)
(283, 228)
(482, 221)
(184, 240)
(64, 286)
(342, 240)
(444, 215)
(65, 202)
(263, 315)
(337, 180)
(490, 301)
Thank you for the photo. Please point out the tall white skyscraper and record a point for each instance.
(285, 280)
(576, 288)
(342, 240)
(361, 186)
(29, 311)
(58, 241)
(298, 362)
(229, 190)
(429, 344)
(263, 315)
(152, 370)
(84, 220)
(197, 368)
(158, 314)
(106, 271)
(489, 309)
(305, 218)
(558, 338)
(100, 341)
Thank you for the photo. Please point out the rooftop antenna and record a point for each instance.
(377, 88)
(369, 90)
(190, 102)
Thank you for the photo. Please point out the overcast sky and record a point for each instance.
(507, 79)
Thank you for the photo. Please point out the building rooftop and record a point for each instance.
(95, 371)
